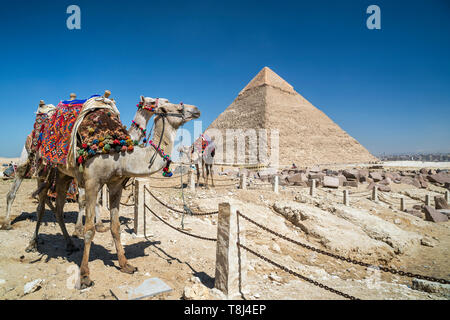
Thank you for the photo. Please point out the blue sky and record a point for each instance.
(388, 88)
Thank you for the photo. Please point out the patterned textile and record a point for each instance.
(71, 194)
(102, 132)
(56, 139)
(37, 134)
(204, 143)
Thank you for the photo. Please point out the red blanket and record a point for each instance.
(56, 139)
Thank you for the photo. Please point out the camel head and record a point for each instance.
(147, 103)
(175, 114)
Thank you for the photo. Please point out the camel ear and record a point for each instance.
(142, 98)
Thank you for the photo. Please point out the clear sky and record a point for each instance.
(388, 88)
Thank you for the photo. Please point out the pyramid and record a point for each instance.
(307, 136)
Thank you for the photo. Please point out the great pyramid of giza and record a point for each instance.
(307, 136)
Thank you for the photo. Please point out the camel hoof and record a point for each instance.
(78, 233)
(100, 227)
(128, 269)
(85, 282)
(32, 247)
(71, 248)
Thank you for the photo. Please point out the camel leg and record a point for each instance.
(62, 185)
(10, 197)
(198, 175)
(115, 194)
(212, 175)
(78, 233)
(203, 170)
(91, 190)
(50, 204)
(207, 175)
(99, 226)
(204, 166)
(32, 246)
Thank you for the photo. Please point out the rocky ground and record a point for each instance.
(376, 232)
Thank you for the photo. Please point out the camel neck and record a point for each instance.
(167, 137)
(141, 119)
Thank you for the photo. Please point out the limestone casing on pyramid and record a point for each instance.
(306, 135)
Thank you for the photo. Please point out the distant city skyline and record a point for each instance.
(387, 88)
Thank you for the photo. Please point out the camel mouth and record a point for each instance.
(196, 114)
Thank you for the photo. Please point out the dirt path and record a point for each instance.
(177, 259)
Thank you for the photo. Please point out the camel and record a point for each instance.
(141, 119)
(206, 158)
(113, 169)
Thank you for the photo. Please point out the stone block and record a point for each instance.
(351, 184)
(330, 182)
(440, 203)
(376, 176)
(433, 215)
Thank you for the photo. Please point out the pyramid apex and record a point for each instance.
(268, 77)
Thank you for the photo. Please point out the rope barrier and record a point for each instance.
(356, 262)
(177, 229)
(316, 283)
(177, 210)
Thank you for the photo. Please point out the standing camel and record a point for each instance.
(205, 157)
(112, 170)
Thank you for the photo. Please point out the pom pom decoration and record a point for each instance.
(101, 145)
(107, 147)
(95, 141)
(130, 148)
(123, 149)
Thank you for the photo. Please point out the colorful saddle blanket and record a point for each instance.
(37, 135)
(204, 143)
(101, 131)
(57, 135)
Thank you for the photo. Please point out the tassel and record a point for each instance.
(80, 169)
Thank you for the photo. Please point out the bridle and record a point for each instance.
(157, 148)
